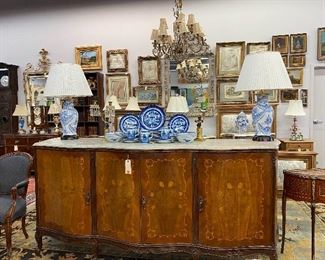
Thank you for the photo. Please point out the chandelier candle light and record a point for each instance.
(188, 38)
(263, 71)
(295, 109)
(21, 111)
(66, 81)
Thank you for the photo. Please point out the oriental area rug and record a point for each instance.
(297, 246)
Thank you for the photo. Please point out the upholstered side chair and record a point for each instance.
(14, 173)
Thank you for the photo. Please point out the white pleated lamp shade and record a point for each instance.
(263, 70)
(66, 80)
(20, 110)
(177, 104)
(54, 109)
(133, 105)
(295, 108)
(114, 101)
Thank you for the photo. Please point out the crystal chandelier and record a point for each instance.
(192, 71)
(188, 38)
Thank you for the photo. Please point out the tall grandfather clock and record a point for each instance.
(8, 101)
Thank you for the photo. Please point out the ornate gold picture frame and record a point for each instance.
(298, 43)
(280, 43)
(89, 57)
(298, 60)
(119, 85)
(117, 60)
(229, 58)
(288, 94)
(226, 93)
(149, 70)
(148, 94)
(321, 43)
(296, 76)
(254, 47)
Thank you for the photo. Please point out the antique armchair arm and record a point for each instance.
(19, 186)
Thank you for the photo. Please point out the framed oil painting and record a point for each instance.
(304, 97)
(89, 58)
(289, 94)
(321, 43)
(273, 96)
(148, 94)
(226, 93)
(148, 70)
(119, 85)
(298, 43)
(296, 76)
(298, 60)
(280, 43)
(253, 47)
(230, 57)
(117, 60)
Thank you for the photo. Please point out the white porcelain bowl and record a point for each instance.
(186, 137)
(113, 137)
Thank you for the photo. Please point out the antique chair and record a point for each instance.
(14, 171)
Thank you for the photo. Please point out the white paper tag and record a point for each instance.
(128, 167)
(15, 148)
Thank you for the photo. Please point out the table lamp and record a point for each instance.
(21, 111)
(55, 109)
(177, 104)
(295, 109)
(133, 105)
(111, 105)
(263, 71)
(65, 81)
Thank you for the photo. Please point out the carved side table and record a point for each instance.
(303, 185)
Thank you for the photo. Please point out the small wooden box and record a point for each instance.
(289, 145)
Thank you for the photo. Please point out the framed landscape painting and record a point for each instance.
(89, 57)
(226, 93)
(297, 60)
(118, 84)
(229, 58)
(280, 43)
(253, 47)
(289, 94)
(273, 96)
(321, 43)
(148, 94)
(296, 76)
(117, 60)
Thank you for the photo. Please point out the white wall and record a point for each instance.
(128, 24)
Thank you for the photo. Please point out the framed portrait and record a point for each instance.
(148, 94)
(304, 97)
(89, 58)
(273, 96)
(119, 85)
(298, 43)
(253, 47)
(289, 94)
(149, 70)
(117, 60)
(285, 60)
(296, 76)
(321, 43)
(226, 93)
(230, 57)
(280, 43)
(298, 60)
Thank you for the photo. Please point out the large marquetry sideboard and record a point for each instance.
(216, 197)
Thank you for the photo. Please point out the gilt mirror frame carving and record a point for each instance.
(194, 109)
(34, 83)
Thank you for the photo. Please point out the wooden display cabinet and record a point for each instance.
(8, 101)
(89, 125)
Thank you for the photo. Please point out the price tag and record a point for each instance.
(128, 167)
(15, 148)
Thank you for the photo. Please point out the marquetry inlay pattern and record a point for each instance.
(167, 211)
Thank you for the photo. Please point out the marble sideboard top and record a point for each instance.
(209, 144)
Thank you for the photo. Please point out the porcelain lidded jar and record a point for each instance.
(241, 122)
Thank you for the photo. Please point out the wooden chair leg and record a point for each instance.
(8, 231)
(23, 226)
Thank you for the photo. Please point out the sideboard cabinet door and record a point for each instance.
(118, 196)
(63, 191)
(166, 200)
(236, 192)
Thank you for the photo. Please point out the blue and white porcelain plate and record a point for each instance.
(179, 123)
(152, 118)
(129, 122)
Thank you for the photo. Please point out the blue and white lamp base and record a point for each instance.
(262, 115)
(69, 121)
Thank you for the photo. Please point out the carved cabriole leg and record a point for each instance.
(23, 226)
(284, 208)
(8, 230)
(38, 239)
